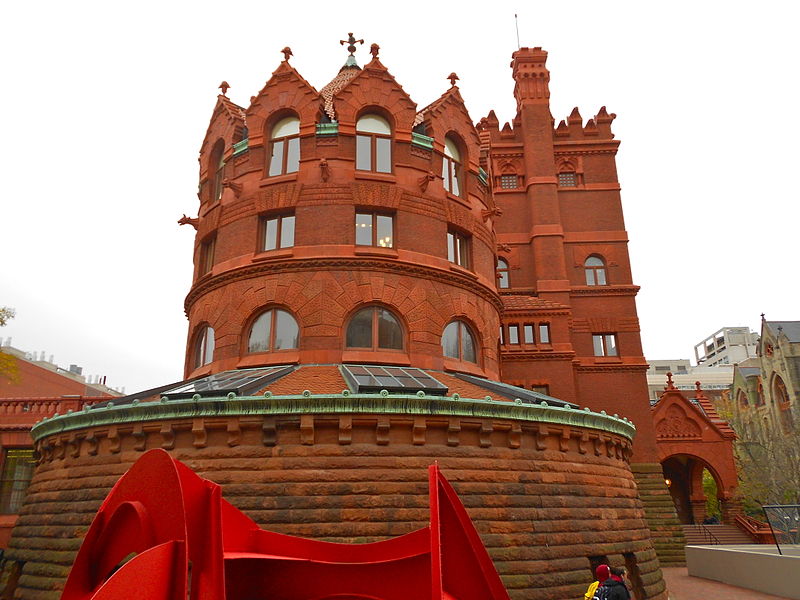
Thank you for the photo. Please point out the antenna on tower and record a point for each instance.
(516, 25)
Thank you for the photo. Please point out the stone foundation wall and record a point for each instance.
(544, 498)
(668, 539)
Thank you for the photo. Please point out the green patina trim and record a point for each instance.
(483, 176)
(423, 141)
(240, 147)
(327, 128)
(345, 403)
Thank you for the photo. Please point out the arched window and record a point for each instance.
(779, 393)
(458, 342)
(760, 395)
(502, 273)
(204, 346)
(452, 170)
(376, 328)
(373, 144)
(285, 138)
(274, 329)
(742, 398)
(595, 269)
(217, 163)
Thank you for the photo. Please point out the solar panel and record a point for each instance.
(241, 382)
(512, 391)
(373, 378)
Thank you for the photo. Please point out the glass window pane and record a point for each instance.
(513, 334)
(373, 124)
(463, 251)
(18, 465)
(208, 353)
(611, 345)
(590, 277)
(467, 345)
(271, 234)
(601, 276)
(450, 340)
(359, 331)
(259, 333)
(597, 341)
(286, 127)
(451, 149)
(287, 232)
(451, 247)
(383, 155)
(446, 173)
(528, 333)
(385, 231)
(456, 176)
(363, 151)
(276, 162)
(544, 334)
(390, 334)
(502, 280)
(594, 261)
(293, 155)
(286, 330)
(363, 229)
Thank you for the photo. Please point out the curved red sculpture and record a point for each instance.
(164, 533)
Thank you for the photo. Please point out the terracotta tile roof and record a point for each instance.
(345, 75)
(321, 379)
(529, 303)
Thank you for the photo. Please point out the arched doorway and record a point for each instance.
(683, 475)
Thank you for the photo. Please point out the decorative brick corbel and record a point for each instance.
(491, 212)
(345, 430)
(234, 433)
(114, 440)
(563, 441)
(236, 187)
(453, 430)
(324, 170)
(382, 431)
(269, 431)
(92, 443)
(418, 431)
(167, 436)
(485, 435)
(307, 430)
(515, 436)
(199, 433)
(541, 436)
(423, 181)
(140, 436)
(504, 248)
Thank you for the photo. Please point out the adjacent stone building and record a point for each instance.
(377, 287)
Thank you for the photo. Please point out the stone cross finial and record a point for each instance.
(373, 49)
(453, 78)
(351, 43)
(697, 388)
(224, 86)
(670, 385)
(287, 52)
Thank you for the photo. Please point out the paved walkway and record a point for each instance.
(682, 586)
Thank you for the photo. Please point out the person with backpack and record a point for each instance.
(601, 572)
(614, 587)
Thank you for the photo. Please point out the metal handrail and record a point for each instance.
(711, 537)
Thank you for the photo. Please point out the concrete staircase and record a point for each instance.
(723, 534)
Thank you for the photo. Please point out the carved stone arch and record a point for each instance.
(376, 87)
(509, 166)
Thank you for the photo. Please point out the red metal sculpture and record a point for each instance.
(164, 533)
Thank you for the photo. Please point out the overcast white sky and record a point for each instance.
(105, 105)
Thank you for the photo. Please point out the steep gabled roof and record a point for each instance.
(338, 83)
(791, 329)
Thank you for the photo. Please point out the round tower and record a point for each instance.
(343, 226)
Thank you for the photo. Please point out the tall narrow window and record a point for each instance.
(217, 166)
(204, 347)
(544, 333)
(207, 248)
(18, 464)
(605, 344)
(502, 273)
(278, 232)
(285, 138)
(595, 270)
(274, 329)
(459, 343)
(375, 328)
(373, 144)
(527, 331)
(458, 249)
(513, 334)
(452, 171)
(374, 229)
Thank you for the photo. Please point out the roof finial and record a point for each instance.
(287, 52)
(453, 78)
(224, 86)
(351, 43)
(670, 385)
(373, 49)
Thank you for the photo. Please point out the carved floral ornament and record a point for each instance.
(677, 425)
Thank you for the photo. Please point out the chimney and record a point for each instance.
(76, 370)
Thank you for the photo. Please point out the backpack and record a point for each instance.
(602, 593)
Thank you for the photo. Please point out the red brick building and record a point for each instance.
(377, 287)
